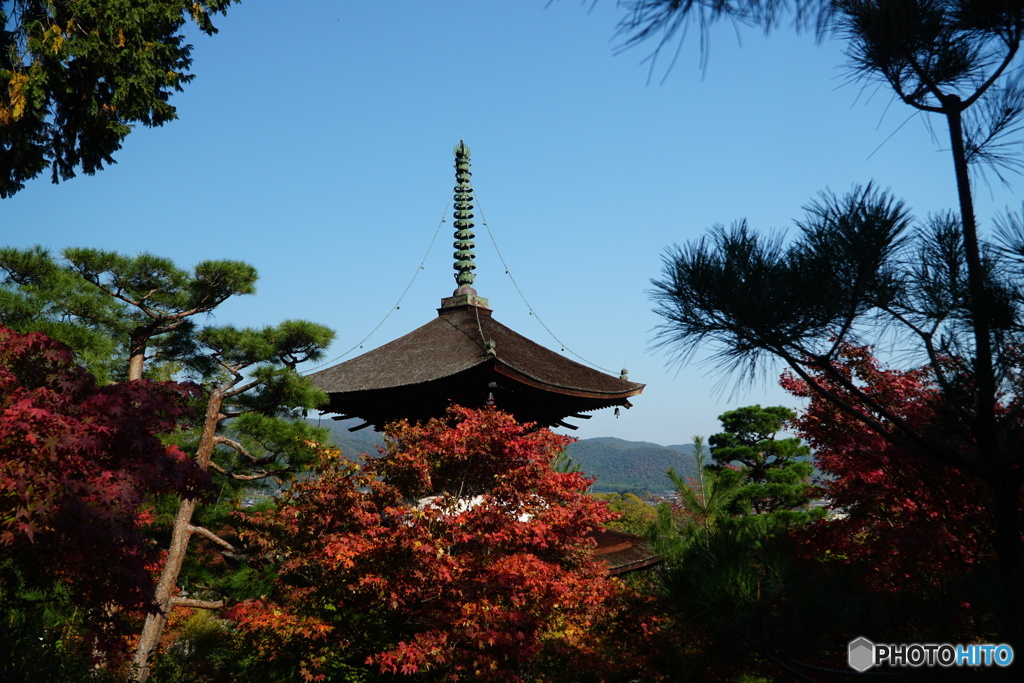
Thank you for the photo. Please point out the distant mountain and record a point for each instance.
(618, 465)
(353, 445)
(621, 465)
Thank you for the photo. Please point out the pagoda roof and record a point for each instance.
(467, 357)
(622, 552)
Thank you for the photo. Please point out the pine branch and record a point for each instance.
(246, 477)
(237, 447)
(198, 604)
(242, 451)
(244, 388)
(203, 531)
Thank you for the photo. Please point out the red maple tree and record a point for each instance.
(905, 518)
(458, 554)
(77, 462)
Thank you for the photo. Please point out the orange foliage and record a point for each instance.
(459, 552)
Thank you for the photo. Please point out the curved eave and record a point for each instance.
(456, 342)
(523, 378)
(484, 372)
(622, 552)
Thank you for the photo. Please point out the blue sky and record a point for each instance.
(316, 143)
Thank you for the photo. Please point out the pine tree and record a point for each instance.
(775, 472)
(145, 308)
(936, 291)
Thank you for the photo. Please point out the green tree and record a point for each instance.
(141, 311)
(776, 471)
(704, 502)
(634, 515)
(161, 298)
(936, 291)
(76, 75)
(262, 439)
(39, 293)
(723, 568)
(107, 305)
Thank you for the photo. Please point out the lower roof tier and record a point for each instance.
(466, 357)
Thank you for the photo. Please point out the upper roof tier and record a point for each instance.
(466, 356)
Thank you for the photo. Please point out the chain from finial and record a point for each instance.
(464, 256)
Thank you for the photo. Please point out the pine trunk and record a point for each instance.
(153, 628)
(1005, 484)
(1006, 491)
(136, 353)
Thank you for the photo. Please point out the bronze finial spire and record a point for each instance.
(464, 256)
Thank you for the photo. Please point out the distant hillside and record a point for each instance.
(617, 464)
(620, 465)
(353, 445)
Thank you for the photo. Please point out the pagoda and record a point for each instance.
(465, 356)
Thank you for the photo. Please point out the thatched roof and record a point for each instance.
(466, 356)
